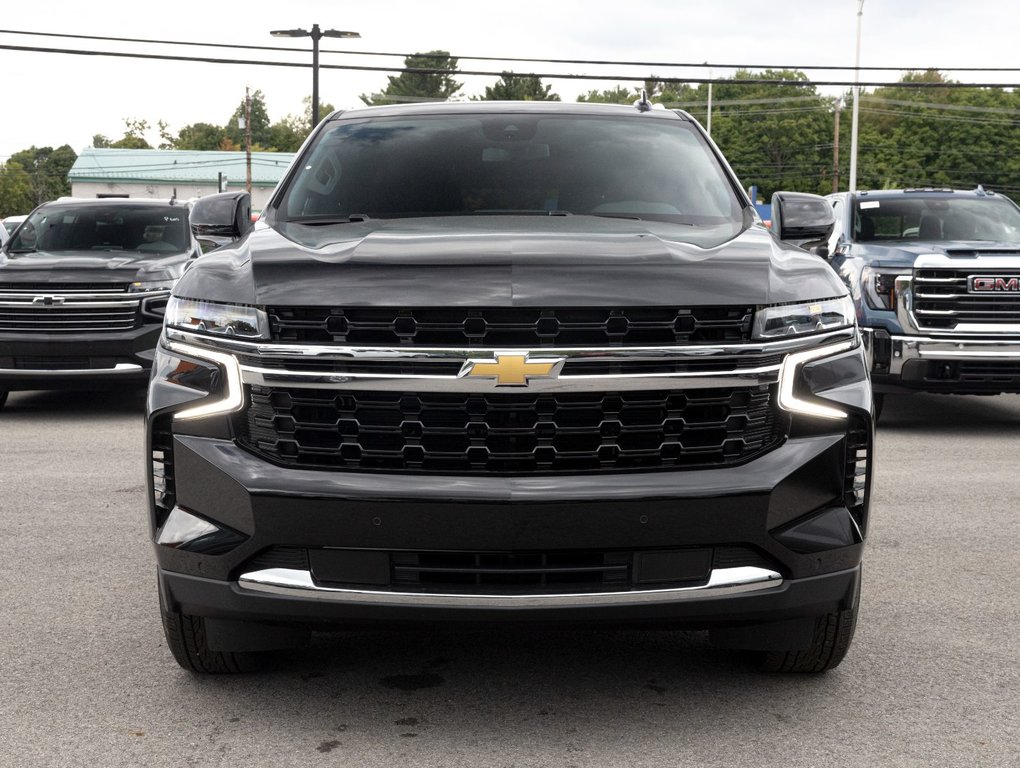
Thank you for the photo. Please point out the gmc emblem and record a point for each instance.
(994, 284)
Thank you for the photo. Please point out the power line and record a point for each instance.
(485, 73)
(606, 62)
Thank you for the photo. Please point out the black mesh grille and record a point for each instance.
(938, 291)
(510, 326)
(510, 433)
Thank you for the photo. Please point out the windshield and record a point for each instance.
(101, 228)
(943, 218)
(513, 164)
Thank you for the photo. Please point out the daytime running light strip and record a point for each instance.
(788, 376)
(234, 398)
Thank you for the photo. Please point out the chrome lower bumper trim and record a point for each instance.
(120, 369)
(299, 584)
(906, 348)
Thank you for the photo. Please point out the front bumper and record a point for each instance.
(79, 360)
(901, 362)
(268, 507)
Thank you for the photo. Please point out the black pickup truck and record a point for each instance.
(511, 362)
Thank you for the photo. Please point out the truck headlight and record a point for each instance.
(148, 286)
(879, 286)
(798, 319)
(215, 318)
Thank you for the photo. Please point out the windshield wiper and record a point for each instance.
(23, 250)
(351, 218)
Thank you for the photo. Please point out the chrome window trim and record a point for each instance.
(299, 583)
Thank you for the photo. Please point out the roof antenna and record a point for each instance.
(173, 197)
(643, 104)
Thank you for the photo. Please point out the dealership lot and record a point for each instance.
(932, 678)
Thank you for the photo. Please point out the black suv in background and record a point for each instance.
(511, 362)
(83, 287)
(935, 278)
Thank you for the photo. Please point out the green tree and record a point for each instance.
(288, 134)
(200, 136)
(937, 136)
(99, 141)
(46, 171)
(511, 87)
(15, 189)
(617, 95)
(777, 136)
(435, 84)
(134, 135)
(259, 122)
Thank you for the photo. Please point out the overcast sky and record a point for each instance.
(53, 99)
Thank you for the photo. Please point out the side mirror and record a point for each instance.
(222, 218)
(802, 219)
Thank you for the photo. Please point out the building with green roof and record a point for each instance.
(158, 173)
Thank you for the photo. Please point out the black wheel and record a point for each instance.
(879, 400)
(186, 638)
(831, 641)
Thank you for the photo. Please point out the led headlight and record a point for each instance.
(879, 286)
(219, 319)
(148, 286)
(798, 319)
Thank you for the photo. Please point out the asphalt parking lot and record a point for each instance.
(932, 678)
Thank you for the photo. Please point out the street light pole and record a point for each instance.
(857, 100)
(316, 34)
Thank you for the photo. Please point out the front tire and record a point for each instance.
(186, 638)
(830, 643)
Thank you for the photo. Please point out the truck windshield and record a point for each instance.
(931, 219)
(513, 163)
(65, 229)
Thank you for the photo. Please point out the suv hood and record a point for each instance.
(88, 267)
(905, 254)
(505, 261)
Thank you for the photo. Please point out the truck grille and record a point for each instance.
(942, 300)
(67, 308)
(497, 433)
(510, 326)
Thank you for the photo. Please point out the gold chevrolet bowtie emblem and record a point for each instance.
(513, 370)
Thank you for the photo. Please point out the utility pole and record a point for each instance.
(247, 139)
(708, 128)
(857, 102)
(835, 147)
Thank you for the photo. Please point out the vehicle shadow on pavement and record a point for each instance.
(554, 684)
(113, 401)
(962, 414)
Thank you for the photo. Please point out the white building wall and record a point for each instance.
(259, 195)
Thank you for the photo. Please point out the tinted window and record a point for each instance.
(943, 218)
(514, 164)
(101, 228)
